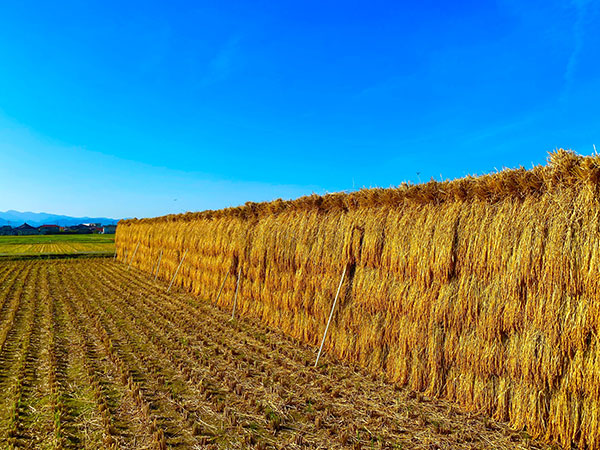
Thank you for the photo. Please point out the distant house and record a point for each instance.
(79, 229)
(26, 230)
(49, 229)
(109, 229)
(6, 230)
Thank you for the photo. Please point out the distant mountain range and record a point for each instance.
(16, 218)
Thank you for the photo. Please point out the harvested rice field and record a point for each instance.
(57, 245)
(93, 355)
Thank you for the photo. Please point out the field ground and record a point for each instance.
(93, 355)
(57, 244)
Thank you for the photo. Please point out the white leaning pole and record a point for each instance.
(237, 285)
(331, 315)
(133, 256)
(177, 271)
(158, 265)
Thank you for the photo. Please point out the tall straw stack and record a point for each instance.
(483, 290)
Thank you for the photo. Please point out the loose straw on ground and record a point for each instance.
(331, 315)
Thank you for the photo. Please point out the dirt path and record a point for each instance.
(93, 355)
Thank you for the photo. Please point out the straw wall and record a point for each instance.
(481, 290)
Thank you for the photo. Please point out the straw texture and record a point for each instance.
(484, 290)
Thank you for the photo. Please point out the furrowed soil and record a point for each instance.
(93, 355)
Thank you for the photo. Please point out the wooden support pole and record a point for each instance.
(331, 315)
(222, 285)
(237, 285)
(177, 271)
(133, 256)
(158, 265)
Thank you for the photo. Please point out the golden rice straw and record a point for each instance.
(221, 289)
(177, 271)
(133, 256)
(481, 290)
(158, 265)
(237, 285)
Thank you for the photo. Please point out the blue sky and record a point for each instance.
(126, 109)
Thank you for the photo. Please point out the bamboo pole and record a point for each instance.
(133, 256)
(222, 285)
(177, 271)
(237, 285)
(158, 265)
(331, 315)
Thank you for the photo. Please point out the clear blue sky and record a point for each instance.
(146, 108)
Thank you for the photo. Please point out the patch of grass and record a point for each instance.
(57, 244)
